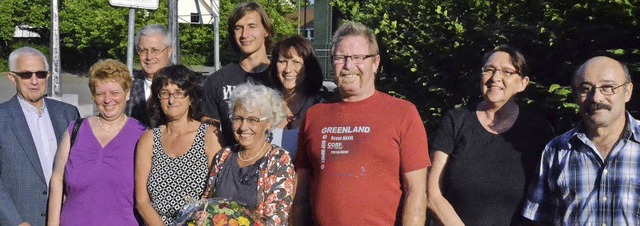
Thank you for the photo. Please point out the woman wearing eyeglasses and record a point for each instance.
(92, 181)
(296, 73)
(255, 172)
(173, 159)
(484, 155)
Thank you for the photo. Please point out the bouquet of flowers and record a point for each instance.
(216, 211)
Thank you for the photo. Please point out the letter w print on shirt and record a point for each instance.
(226, 91)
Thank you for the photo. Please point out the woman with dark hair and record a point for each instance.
(173, 159)
(485, 155)
(296, 73)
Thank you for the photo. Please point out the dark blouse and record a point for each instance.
(487, 174)
(237, 183)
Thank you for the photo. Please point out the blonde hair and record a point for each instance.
(109, 70)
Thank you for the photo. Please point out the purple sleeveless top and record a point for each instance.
(99, 180)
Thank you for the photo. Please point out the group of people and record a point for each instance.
(495, 164)
(258, 132)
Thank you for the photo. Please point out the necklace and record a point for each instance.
(111, 131)
(253, 157)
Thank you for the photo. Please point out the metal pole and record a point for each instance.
(173, 28)
(132, 27)
(216, 42)
(304, 23)
(299, 17)
(55, 51)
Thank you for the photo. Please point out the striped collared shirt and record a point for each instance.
(577, 186)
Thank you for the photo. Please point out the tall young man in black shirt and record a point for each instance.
(249, 35)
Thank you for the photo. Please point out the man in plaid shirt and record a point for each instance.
(590, 175)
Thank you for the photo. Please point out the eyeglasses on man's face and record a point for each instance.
(356, 59)
(250, 120)
(152, 51)
(507, 72)
(607, 90)
(28, 74)
(177, 95)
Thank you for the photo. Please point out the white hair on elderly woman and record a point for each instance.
(254, 97)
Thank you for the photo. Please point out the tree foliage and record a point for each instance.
(431, 50)
(34, 13)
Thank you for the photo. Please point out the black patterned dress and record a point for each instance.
(171, 180)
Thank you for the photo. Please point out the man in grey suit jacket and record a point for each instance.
(153, 44)
(32, 127)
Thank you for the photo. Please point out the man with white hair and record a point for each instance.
(153, 44)
(32, 127)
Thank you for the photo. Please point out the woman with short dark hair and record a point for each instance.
(484, 155)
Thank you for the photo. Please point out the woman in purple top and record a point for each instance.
(92, 182)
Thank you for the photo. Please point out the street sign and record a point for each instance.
(139, 4)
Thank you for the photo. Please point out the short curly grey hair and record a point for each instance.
(254, 97)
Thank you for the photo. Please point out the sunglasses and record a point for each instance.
(29, 74)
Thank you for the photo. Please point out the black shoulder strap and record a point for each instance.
(74, 132)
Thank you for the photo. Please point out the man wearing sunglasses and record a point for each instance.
(590, 175)
(153, 44)
(32, 127)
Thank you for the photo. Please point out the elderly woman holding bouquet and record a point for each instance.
(173, 159)
(255, 172)
(92, 181)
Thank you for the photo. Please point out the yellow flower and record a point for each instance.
(243, 221)
(191, 224)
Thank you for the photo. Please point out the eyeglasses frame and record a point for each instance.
(503, 71)
(184, 95)
(600, 88)
(345, 57)
(149, 52)
(250, 122)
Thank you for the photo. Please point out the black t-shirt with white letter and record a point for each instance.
(217, 89)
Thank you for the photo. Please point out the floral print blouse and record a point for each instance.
(275, 184)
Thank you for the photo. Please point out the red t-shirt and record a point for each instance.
(357, 153)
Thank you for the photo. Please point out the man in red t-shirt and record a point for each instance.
(363, 160)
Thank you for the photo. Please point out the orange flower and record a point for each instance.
(220, 220)
(233, 222)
